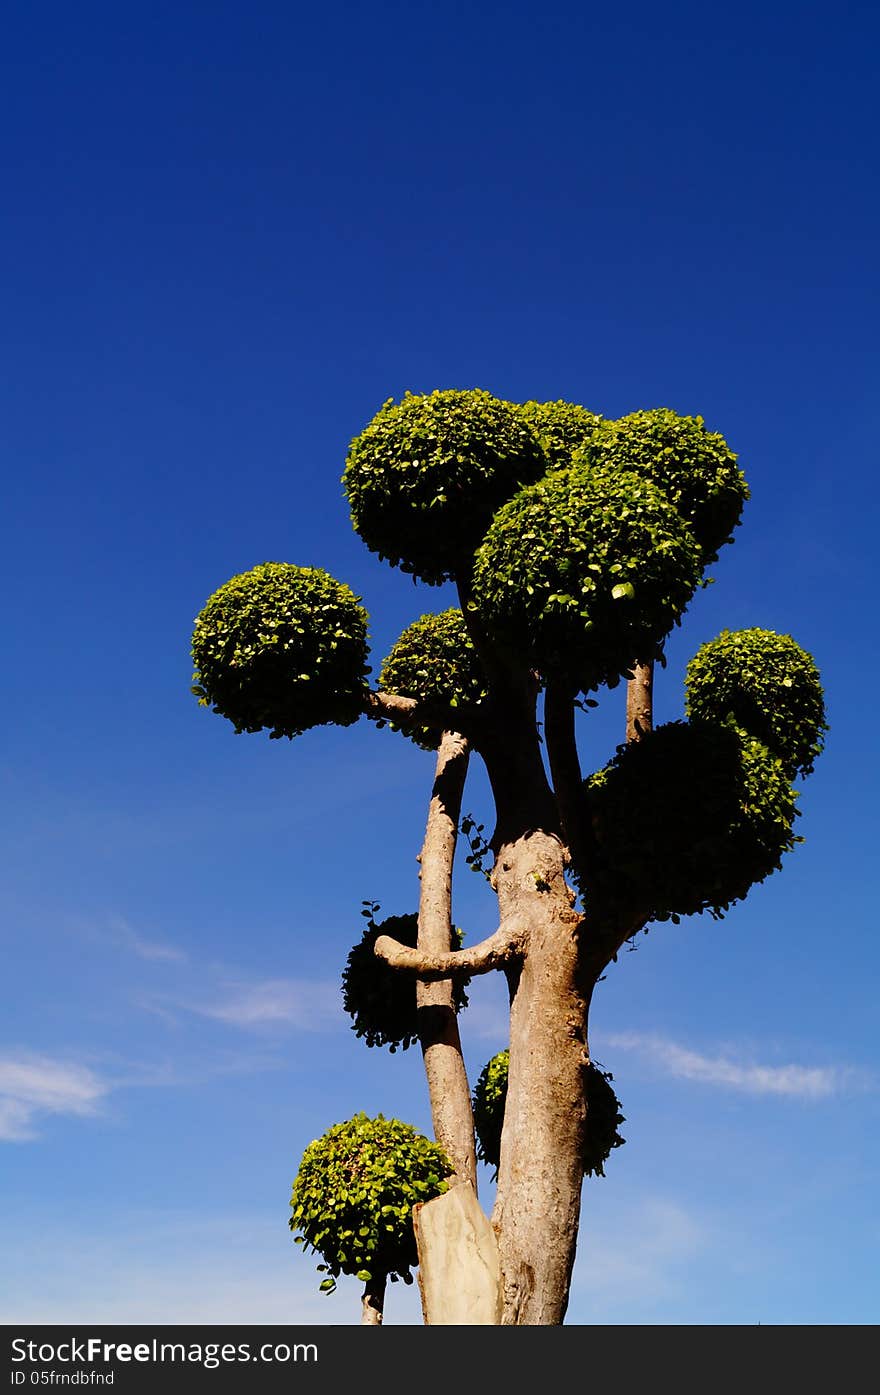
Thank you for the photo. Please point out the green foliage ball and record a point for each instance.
(282, 648)
(766, 684)
(434, 658)
(354, 1193)
(426, 475)
(585, 573)
(687, 819)
(489, 1099)
(603, 1115)
(695, 468)
(563, 428)
(381, 1001)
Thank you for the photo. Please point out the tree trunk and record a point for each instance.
(640, 702)
(540, 1172)
(373, 1302)
(541, 1168)
(438, 1024)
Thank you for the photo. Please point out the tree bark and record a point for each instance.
(438, 1023)
(373, 1302)
(640, 702)
(540, 1174)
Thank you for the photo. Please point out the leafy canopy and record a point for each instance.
(766, 684)
(694, 467)
(282, 648)
(687, 819)
(435, 660)
(603, 1114)
(381, 1001)
(585, 573)
(424, 478)
(353, 1196)
(562, 428)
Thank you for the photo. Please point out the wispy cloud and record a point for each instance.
(34, 1086)
(634, 1255)
(298, 1004)
(126, 937)
(735, 1073)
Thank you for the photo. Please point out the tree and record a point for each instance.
(575, 545)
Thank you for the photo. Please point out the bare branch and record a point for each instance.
(407, 713)
(565, 770)
(493, 953)
(438, 1024)
(392, 708)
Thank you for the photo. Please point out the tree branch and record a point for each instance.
(565, 770)
(640, 702)
(448, 1087)
(507, 943)
(407, 713)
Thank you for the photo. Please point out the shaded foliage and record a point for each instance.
(603, 1114)
(687, 819)
(380, 1000)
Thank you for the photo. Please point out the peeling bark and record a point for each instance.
(448, 1087)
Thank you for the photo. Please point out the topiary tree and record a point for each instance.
(353, 1198)
(603, 1115)
(575, 545)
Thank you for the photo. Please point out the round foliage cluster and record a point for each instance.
(603, 1115)
(563, 428)
(284, 648)
(380, 1000)
(434, 659)
(688, 819)
(695, 467)
(354, 1193)
(585, 573)
(766, 684)
(426, 475)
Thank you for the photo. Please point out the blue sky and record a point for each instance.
(229, 234)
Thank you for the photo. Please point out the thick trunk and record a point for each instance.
(438, 1025)
(541, 1170)
(373, 1302)
(541, 1167)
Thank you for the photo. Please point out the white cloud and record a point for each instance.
(799, 1082)
(33, 1086)
(157, 950)
(298, 1003)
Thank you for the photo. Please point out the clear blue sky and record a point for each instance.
(228, 234)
